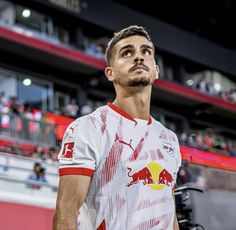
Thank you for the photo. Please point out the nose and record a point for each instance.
(138, 60)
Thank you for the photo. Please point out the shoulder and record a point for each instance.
(170, 144)
(87, 123)
(32, 176)
(165, 133)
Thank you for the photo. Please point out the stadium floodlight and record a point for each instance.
(217, 86)
(27, 82)
(26, 13)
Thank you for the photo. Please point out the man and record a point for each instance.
(118, 165)
(38, 175)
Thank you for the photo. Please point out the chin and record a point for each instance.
(139, 82)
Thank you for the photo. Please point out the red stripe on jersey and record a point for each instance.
(122, 113)
(102, 226)
(104, 120)
(163, 220)
(75, 171)
(149, 121)
(126, 115)
(113, 158)
(138, 148)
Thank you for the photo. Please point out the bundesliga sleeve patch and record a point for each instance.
(68, 150)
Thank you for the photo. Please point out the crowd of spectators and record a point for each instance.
(205, 178)
(207, 87)
(74, 111)
(209, 141)
(201, 139)
(37, 152)
(20, 120)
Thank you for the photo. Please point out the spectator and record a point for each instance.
(183, 137)
(38, 175)
(3, 99)
(97, 104)
(207, 141)
(1, 107)
(232, 149)
(14, 106)
(86, 108)
(233, 95)
(210, 88)
(72, 109)
(26, 117)
(184, 175)
(53, 153)
(39, 153)
(201, 85)
(46, 128)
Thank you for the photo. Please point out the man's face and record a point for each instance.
(133, 63)
(37, 169)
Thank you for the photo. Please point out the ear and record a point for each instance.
(157, 72)
(109, 73)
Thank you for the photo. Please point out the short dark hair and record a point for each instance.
(124, 33)
(37, 164)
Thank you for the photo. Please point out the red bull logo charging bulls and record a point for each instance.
(153, 175)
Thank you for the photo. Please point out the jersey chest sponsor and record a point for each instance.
(154, 175)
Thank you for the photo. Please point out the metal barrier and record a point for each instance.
(27, 182)
(38, 132)
(25, 164)
(17, 169)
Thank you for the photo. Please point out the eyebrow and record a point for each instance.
(147, 47)
(129, 46)
(126, 47)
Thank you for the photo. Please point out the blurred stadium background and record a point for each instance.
(51, 72)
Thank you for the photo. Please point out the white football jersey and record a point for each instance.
(133, 164)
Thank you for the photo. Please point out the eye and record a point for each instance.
(147, 52)
(127, 53)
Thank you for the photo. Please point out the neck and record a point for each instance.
(135, 102)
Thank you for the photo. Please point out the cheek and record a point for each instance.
(122, 68)
(119, 75)
(154, 74)
(153, 67)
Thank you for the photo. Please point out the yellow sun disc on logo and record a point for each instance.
(155, 170)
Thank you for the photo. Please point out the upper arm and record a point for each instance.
(77, 161)
(72, 191)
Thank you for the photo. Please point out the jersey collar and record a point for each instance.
(126, 115)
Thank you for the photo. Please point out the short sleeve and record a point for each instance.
(80, 148)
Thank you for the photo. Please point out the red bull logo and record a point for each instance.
(153, 175)
(142, 175)
(165, 178)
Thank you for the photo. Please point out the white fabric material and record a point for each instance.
(135, 166)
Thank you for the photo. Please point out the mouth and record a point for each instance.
(139, 68)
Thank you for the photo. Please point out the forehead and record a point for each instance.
(136, 41)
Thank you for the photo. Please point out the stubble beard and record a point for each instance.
(139, 82)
